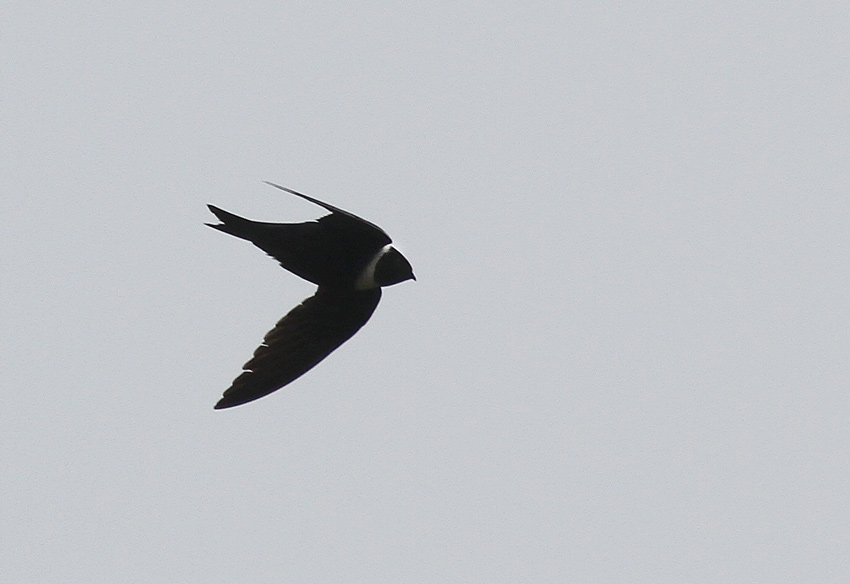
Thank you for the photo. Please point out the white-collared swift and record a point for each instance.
(348, 258)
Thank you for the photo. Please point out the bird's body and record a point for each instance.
(348, 258)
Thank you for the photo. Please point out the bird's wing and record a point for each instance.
(366, 228)
(300, 340)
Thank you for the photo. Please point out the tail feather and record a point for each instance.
(232, 224)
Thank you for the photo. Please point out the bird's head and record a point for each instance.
(392, 268)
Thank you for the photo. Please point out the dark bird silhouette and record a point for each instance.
(347, 257)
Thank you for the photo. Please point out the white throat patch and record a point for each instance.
(366, 279)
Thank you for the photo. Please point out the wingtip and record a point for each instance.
(224, 403)
(229, 400)
(271, 184)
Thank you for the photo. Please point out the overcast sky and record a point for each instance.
(625, 358)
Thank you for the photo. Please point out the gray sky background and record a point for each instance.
(625, 359)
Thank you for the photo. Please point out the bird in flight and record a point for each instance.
(347, 257)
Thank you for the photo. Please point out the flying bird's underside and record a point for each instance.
(348, 258)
